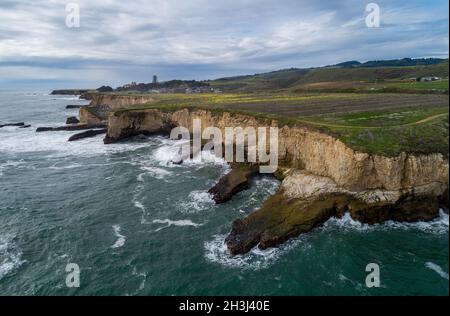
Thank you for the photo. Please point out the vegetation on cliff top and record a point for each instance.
(384, 124)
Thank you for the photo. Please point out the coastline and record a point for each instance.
(321, 176)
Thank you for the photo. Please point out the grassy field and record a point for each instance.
(433, 85)
(339, 79)
(385, 124)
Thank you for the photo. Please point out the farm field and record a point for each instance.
(385, 124)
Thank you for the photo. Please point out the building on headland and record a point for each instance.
(428, 79)
(130, 85)
(173, 86)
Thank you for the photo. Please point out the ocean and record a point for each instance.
(136, 224)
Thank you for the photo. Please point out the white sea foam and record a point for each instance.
(10, 256)
(120, 238)
(436, 268)
(217, 251)
(154, 172)
(71, 166)
(168, 222)
(197, 201)
(436, 226)
(169, 150)
(264, 186)
(55, 144)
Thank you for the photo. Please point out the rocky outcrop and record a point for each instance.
(75, 127)
(134, 123)
(12, 124)
(116, 101)
(69, 92)
(233, 182)
(72, 120)
(73, 106)
(90, 116)
(301, 148)
(326, 178)
(87, 134)
(306, 201)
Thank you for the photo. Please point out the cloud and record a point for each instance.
(120, 41)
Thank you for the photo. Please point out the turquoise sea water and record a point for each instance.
(137, 225)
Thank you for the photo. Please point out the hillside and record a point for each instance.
(346, 77)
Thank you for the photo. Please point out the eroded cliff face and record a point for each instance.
(103, 103)
(300, 148)
(87, 117)
(322, 178)
(118, 101)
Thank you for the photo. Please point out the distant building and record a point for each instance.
(428, 79)
(130, 85)
(155, 79)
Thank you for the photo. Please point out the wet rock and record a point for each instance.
(25, 126)
(406, 209)
(282, 218)
(12, 124)
(69, 91)
(72, 120)
(87, 134)
(74, 127)
(278, 220)
(73, 106)
(233, 182)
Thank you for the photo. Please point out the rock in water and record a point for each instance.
(74, 127)
(25, 126)
(72, 120)
(73, 106)
(282, 217)
(177, 160)
(13, 124)
(232, 183)
(87, 134)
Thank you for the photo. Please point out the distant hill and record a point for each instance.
(347, 76)
(405, 62)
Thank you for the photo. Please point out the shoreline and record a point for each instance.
(372, 189)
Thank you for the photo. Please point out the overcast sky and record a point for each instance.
(122, 41)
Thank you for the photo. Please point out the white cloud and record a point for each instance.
(258, 35)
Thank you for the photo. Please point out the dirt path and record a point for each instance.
(425, 120)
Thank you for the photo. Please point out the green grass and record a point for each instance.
(360, 79)
(377, 119)
(429, 137)
(378, 131)
(433, 85)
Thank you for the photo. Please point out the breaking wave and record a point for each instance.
(168, 150)
(120, 238)
(168, 222)
(436, 268)
(436, 226)
(197, 201)
(217, 251)
(10, 255)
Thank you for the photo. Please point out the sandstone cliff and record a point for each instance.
(115, 101)
(323, 177)
(301, 148)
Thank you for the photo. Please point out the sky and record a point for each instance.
(122, 41)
